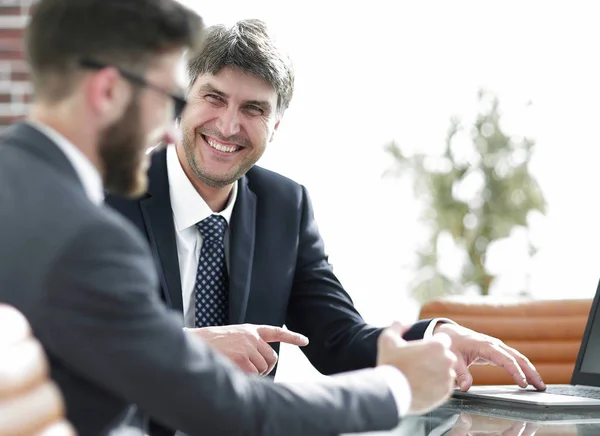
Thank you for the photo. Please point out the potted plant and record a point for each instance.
(477, 201)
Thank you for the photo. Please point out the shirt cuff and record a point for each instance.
(399, 387)
(433, 324)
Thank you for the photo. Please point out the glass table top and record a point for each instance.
(466, 418)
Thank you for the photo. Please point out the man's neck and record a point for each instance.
(215, 197)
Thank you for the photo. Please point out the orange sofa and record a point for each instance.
(548, 332)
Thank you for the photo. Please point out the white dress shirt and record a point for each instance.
(87, 172)
(189, 209)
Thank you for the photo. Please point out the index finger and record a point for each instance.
(499, 356)
(270, 333)
(527, 367)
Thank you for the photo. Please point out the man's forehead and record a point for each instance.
(233, 80)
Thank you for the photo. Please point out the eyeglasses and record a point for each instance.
(179, 102)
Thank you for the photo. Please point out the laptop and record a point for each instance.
(583, 392)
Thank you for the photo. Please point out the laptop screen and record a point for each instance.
(591, 355)
(587, 368)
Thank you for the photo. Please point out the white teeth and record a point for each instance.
(221, 147)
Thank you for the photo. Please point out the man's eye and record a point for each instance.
(255, 110)
(212, 98)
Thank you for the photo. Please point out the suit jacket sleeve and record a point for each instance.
(104, 322)
(319, 308)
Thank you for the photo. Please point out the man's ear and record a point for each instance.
(108, 95)
(275, 129)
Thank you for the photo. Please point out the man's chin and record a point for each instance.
(220, 177)
(217, 182)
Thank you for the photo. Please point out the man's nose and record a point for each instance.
(228, 122)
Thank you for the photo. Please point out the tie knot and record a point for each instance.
(212, 228)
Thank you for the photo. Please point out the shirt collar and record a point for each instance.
(189, 208)
(88, 174)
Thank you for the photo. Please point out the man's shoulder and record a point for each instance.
(42, 194)
(260, 174)
(45, 205)
(269, 183)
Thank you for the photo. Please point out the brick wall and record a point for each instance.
(15, 89)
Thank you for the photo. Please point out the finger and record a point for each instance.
(443, 339)
(531, 374)
(452, 381)
(258, 361)
(32, 410)
(248, 367)
(268, 354)
(278, 334)
(62, 428)
(24, 365)
(399, 328)
(16, 328)
(391, 338)
(500, 357)
(464, 379)
(243, 362)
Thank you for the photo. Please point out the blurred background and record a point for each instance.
(447, 146)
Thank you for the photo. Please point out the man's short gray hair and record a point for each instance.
(249, 47)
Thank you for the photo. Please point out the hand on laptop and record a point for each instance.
(464, 426)
(247, 344)
(471, 348)
(427, 365)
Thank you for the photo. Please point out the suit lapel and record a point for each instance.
(241, 251)
(158, 218)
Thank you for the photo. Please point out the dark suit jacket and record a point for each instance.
(279, 271)
(83, 276)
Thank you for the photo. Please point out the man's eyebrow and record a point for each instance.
(264, 104)
(207, 87)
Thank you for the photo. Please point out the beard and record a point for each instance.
(201, 174)
(122, 153)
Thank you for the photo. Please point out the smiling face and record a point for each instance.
(230, 118)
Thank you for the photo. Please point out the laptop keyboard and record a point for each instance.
(574, 391)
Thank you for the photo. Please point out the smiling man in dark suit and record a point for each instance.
(268, 260)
